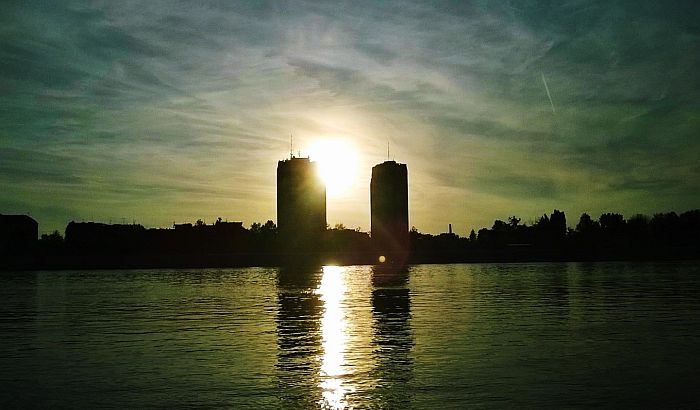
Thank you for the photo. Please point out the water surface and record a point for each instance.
(431, 336)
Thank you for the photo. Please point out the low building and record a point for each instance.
(18, 233)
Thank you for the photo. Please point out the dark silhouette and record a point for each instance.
(18, 234)
(347, 247)
(99, 238)
(389, 211)
(264, 237)
(90, 244)
(301, 204)
(96, 245)
(18, 242)
(665, 236)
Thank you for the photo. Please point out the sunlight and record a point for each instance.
(333, 326)
(337, 164)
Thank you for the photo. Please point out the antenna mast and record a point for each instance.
(291, 145)
(387, 150)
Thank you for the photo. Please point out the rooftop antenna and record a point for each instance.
(387, 150)
(291, 145)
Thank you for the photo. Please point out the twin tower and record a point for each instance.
(301, 207)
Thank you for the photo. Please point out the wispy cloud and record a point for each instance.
(165, 111)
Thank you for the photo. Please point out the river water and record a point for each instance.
(431, 336)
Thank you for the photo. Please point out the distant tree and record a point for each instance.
(483, 236)
(586, 224)
(52, 238)
(557, 223)
(199, 223)
(269, 226)
(499, 226)
(264, 235)
(612, 223)
(690, 226)
(262, 229)
(638, 220)
(513, 222)
(339, 227)
(472, 236)
(691, 219)
(550, 230)
(419, 241)
(638, 229)
(52, 242)
(665, 228)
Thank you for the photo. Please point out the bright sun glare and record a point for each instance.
(337, 164)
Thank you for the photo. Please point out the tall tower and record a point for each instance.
(301, 202)
(389, 207)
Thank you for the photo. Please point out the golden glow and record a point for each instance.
(334, 330)
(382, 259)
(337, 164)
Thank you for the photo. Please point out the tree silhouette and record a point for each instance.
(513, 222)
(557, 223)
(612, 223)
(53, 237)
(586, 225)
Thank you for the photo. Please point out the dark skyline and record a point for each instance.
(158, 113)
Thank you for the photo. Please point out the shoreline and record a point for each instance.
(165, 261)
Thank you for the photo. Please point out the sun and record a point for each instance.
(337, 161)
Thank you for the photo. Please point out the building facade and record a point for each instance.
(301, 202)
(389, 210)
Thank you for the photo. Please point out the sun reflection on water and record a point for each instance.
(334, 331)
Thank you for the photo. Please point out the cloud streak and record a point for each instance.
(544, 81)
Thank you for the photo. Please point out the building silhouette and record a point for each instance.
(101, 238)
(301, 203)
(389, 208)
(18, 233)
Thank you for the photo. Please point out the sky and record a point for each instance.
(163, 111)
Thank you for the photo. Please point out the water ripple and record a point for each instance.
(488, 335)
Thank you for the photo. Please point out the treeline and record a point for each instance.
(611, 236)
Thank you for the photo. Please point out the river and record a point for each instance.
(539, 335)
